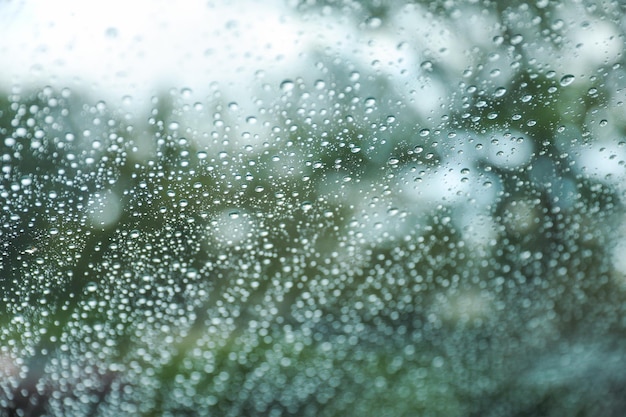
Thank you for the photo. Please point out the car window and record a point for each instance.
(312, 208)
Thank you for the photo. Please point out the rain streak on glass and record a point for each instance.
(312, 208)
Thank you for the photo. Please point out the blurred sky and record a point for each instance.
(132, 47)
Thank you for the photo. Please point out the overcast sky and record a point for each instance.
(132, 47)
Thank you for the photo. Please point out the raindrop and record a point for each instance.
(517, 39)
(370, 102)
(567, 80)
(287, 85)
(374, 22)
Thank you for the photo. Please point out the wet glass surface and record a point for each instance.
(322, 208)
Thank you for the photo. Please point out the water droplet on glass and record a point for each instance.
(287, 85)
(427, 66)
(567, 80)
(374, 22)
(517, 39)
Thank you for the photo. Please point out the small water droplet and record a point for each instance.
(393, 161)
(567, 80)
(424, 132)
(517, 39)
(500, 92)
(287, 85)
(427, 66)
(374, 22)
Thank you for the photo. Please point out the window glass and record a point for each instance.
(312, 208)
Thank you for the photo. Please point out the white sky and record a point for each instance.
(132, 47)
